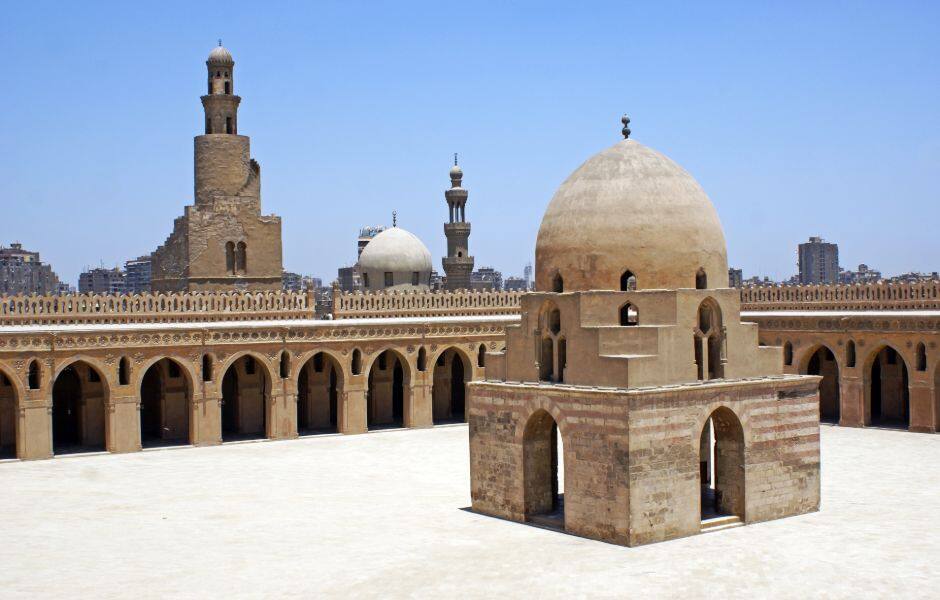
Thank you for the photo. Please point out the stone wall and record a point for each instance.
(870, 296)
(356, 305)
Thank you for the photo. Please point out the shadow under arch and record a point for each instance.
(721, 465)
(452, 369)
(821, 360)
(166, 394)
(11, 393)
(246, 397)
(320, 385)
(80, 394)
(389, 395)
(542, 467)
(886, 384)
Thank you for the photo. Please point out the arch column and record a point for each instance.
(854, 411)
(351, 412)
(282, 411)
(923, 417)
(122, 422)
(34, 424)
(205, 421)
(419, 412)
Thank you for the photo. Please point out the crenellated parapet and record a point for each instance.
(384, 304)
(155, 308)
(869, 296)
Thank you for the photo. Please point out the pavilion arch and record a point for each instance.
(550, 317)
(721, 456)
(709, 340)
(321, 381)
(388, 398)
(245, 384)
(166, 387)
(542, 468)
(11, 395)
(80, 395)
(886, 380)
(452, 369)
(820, 359)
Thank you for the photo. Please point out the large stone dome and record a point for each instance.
(400, 253)
(220, 55)
(629, 208)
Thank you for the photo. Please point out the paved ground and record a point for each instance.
(380, 515)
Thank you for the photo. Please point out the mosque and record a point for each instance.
(631, 370)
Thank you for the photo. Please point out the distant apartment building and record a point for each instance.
(22, 272)
(486, 278)
(864, 274)
(818, 261)
(102, 281)
(735, 278)
(516, 284)
(137, 275)
(349, 278)
(292, 282)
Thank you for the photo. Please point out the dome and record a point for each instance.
(220, 55)
(399, 253)
(629, 208)
(456, 172)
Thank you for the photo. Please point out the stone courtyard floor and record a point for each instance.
(380, 515)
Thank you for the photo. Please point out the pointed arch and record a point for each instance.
(821, 360)
(722, 465)
(628, 281)
(701, 279)
(124, 371)
(34, 375)
(558, 284)
(921, 360)
(11, 394)
(320, 386)
(451, 372)
(388, 398)
(542, 451)
(165, 403)
(629, 316)
(887, 393)
(850, 354)
(80, 394)
(246, 396)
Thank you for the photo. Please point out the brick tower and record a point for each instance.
(222, 242)
(458, 263)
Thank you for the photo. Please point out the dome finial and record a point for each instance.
(626, 129)
(220, 42)
(394, 218)
(455, 159)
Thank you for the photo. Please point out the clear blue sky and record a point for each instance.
(798, 119)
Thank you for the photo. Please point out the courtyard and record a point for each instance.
(380, 515)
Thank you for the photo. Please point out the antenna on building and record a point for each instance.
(394, 218)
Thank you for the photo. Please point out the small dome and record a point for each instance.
(629, 208)
(456, 172)
(221, 56)
(400, 253)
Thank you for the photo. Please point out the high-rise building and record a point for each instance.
(350, 278)
(22, 272)
(137, 275)
(527, 276)
(735, 277)
(102, 281)
(222, 241)
(818, 261)
(458, 264)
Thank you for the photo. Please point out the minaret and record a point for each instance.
(220, 102)
(458, 263)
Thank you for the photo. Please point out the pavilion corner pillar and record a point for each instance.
(419, 413)
(34, 427)
(282, 413)
(206, 422)
(352, 406)
(923, 417)
(853, 410)
(123, 423)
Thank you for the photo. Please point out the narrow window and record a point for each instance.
(701, 280)
(422, 359)
(850, 354)
(241, 258)
(628, 282)
(228, 87)
(206, 367)
(921, 357)
(558, 284)
(481, 356)
(208, 125)
(218, 73)
(365, 279)
(788, 354)
(356, 362)
(228, 124)
(34, 375)
(230, 257)
(562, 359)
(554, 321)
(388, 279)
(249, 365)
(124, 371)
(210, 90)
(415, 278)
(285, 365)
(173, 369)
(629, 315)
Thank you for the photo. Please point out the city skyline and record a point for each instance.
(372, 127)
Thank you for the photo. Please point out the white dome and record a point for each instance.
(400, 253)
(221, 56)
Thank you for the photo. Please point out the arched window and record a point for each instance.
(628, 282)
(206, 367)
(124, 371)
(558, 284)
(228, 122)
(228, 87)
(554, 320)
(285, 365)
(241, 258)
(365, 280)
(562, 358)
(389, 279)
(230, 257)
(547, 359)
(481, 356)
(701, 280)
(356, 362)
(34, 375)
(422, 359)
(921, 357)
(788, 354)
(629, 315)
